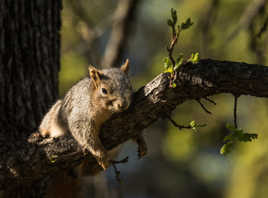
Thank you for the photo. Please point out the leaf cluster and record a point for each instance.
(170, 63)
(194, 126)
(172, 22)
(236, 135)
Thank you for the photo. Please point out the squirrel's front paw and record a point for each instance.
(104, 163)
(103, 159)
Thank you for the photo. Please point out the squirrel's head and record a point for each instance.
(112, 88)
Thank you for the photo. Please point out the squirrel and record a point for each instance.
(87, 105)
(83, 110)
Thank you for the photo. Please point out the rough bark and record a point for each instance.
(41, 157)
(29, 66)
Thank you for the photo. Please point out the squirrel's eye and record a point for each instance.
(104, 91)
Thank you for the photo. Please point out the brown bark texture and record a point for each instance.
(29, 66)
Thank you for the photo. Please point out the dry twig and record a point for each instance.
(117, 172)
(203, 106)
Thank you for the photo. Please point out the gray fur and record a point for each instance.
(84, 108)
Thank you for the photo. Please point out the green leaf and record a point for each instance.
(239, 135)
(228, 138)
(187, 24)
(231, 127)
(248, 137)
(167, 63)
(192, 124)
(174, 15)
(236, 135)
(179, 61)
(194, 58)
(169, 70)
(53, 158)
(227, 148)
(169, 22)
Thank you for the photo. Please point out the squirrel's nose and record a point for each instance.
(122, 105)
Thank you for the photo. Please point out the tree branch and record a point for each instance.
(246, 19)
(123, 19)
(40, 157)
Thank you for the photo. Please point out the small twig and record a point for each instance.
(210, 100)
(125, 160)
(170, 55)
(170, 48)
(180, 127)
(235, 111)
(203, 107)
(117, 172)
(263, 28)
(174, 38)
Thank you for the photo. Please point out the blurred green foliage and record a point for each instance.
(184, 139)
(74, 69)
(193, 165)
(235, 135)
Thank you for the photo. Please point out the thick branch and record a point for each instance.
(151, 102)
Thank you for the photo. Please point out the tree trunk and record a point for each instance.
(29, 66)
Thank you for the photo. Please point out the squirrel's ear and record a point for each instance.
(94, 74)
(125, 66)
